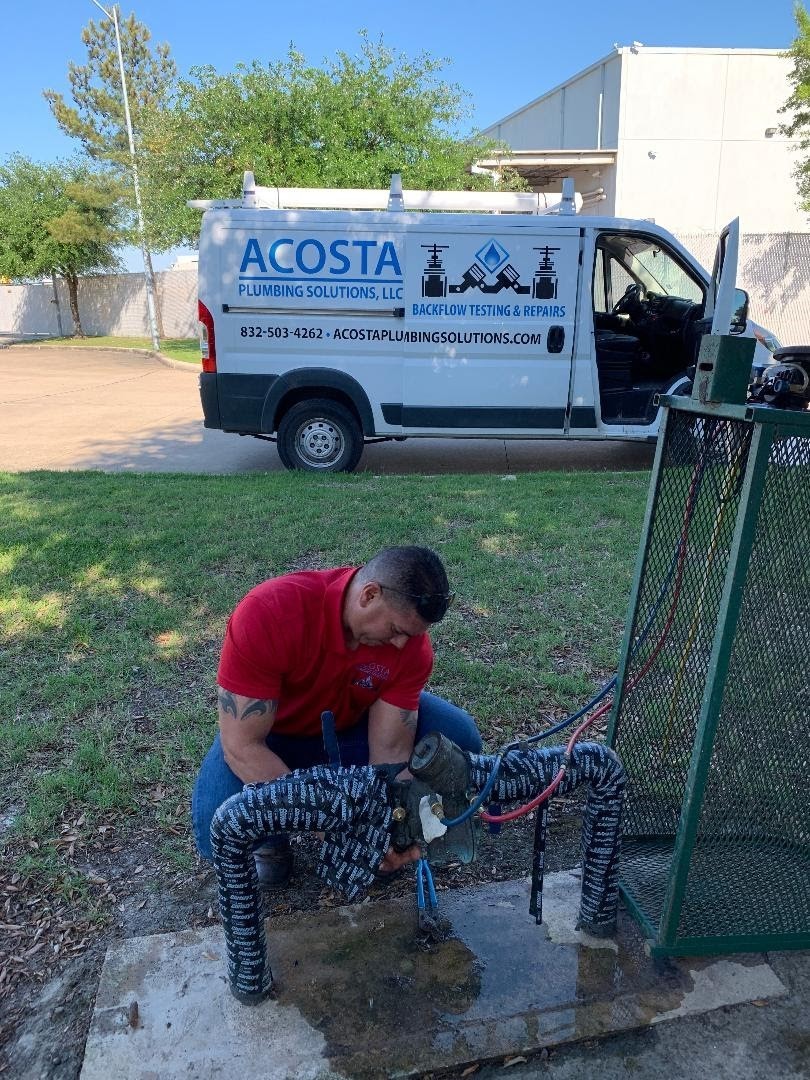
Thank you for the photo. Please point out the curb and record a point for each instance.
(167, 361)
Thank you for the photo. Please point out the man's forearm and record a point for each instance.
(254, 763)
(391, 735)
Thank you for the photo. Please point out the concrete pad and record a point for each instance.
(359, 996)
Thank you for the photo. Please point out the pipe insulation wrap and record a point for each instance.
(350, 806)
(524, 773)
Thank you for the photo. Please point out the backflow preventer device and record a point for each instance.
(715, 735)
(362, 811)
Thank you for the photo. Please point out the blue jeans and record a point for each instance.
(216, 782)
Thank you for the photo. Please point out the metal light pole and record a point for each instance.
(150, 295)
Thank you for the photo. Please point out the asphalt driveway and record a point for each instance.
(124, 411)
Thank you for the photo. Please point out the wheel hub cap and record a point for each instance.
(319, 442)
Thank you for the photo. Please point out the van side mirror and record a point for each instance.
(739, 320)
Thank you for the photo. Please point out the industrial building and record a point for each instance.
(688, 138)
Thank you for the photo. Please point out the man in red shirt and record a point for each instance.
(351, 641)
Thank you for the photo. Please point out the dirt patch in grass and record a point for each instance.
(134, 887)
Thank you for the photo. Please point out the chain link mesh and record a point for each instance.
(749, 869)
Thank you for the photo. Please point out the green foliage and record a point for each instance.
(798, 104)
(351, 123)
(96, 116)
(61, 218)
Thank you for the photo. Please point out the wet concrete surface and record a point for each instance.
(359, 995)
(126, 412)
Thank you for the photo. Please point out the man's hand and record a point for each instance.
(395, 860)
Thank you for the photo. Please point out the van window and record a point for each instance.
(627, 259)
(610, 281)
(671, 279)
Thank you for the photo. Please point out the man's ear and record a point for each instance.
(370, 591)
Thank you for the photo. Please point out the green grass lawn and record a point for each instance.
(186, 349)
(116, 590)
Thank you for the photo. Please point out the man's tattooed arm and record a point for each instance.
(244, 724)
(245, 708)
(408, 718)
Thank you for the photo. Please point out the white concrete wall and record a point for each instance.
(692, 149)
(582, 114)
(110, 304)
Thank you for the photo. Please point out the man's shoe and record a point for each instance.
(274, 866)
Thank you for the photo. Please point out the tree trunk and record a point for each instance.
(73, 294)
(158, 313)
(58, 308)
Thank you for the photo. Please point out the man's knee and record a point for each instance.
(437, 714)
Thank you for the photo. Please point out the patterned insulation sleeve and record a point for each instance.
(524, 773)
(321, 799)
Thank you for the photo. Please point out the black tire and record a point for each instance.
(319, 435)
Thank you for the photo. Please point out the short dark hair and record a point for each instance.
(415, 577)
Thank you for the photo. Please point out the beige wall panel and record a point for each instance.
(756, 88)
(610, 108)
(678, 187)
(755, 183)
(581, 108)
(675, 95)
(536, 127)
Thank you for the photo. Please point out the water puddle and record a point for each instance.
(388, 1005)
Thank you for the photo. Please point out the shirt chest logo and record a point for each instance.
(370, 676)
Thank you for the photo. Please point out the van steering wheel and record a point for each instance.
(632, 297)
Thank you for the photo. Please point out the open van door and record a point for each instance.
(726, 305)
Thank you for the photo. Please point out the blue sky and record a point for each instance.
(503, 54)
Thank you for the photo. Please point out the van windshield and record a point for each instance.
(653, 266)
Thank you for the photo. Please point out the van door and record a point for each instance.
(648, 306)
(490, 315)
(721, 302)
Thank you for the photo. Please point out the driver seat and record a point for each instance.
(617, 356)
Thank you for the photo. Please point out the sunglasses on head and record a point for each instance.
(428, 606)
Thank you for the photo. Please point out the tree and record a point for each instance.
(351, 123)
(62, 218)
(798, 104)
(97, 118)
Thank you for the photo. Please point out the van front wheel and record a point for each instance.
(320, 436)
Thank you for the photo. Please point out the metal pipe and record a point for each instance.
(354, 808)
(150, 296)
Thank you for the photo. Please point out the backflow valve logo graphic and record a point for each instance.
(492, 259)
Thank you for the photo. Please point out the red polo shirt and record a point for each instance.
(285, 642)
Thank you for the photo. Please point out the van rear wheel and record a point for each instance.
(320, 436)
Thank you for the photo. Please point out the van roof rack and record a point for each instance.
(498, 202)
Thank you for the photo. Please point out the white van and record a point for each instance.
(326, 327)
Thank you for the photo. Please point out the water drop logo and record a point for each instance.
(492, 255)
